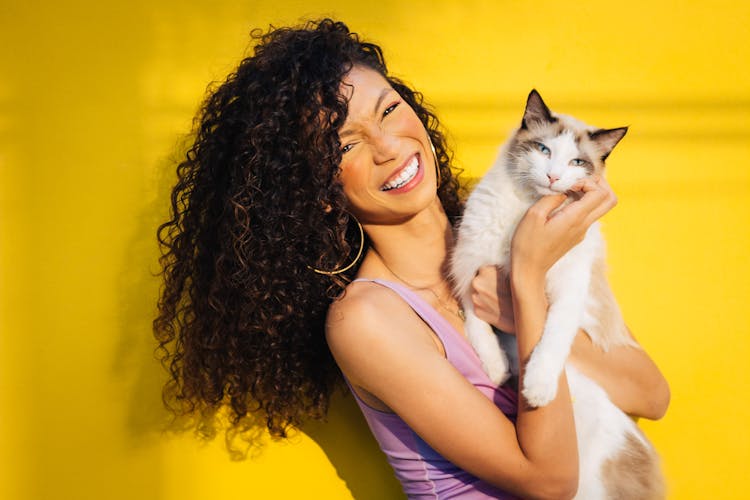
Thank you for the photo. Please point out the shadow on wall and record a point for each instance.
(137, 357)
(135, 360)
(343, 436)
(353, 451)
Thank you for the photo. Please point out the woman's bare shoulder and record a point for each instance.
(365, 305)
(359, 296)
(370, 319)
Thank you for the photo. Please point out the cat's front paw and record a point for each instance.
(498, 371)
(483, 339)
(540, 381)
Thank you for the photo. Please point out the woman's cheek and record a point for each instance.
(353, 179)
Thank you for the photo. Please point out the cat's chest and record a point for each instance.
(578, 260)
(492, 213)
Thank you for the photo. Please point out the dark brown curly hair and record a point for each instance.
(257, 204)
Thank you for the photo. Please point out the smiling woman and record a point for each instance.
(389, 136)
(311, 148)
(258, 205)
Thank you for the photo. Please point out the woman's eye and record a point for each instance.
(577, 162)
(390, 108)
(542, 148)
(346, 148)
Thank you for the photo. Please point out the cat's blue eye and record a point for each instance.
(577, 162)
(543, 149)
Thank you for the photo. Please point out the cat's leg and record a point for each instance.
(486, 344)
(567, 287)
(509, 346)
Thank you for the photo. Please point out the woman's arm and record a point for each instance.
(628, 375)
(388, 353)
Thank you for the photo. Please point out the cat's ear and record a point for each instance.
(607, 139)
(536, 111)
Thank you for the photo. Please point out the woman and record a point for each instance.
(307, 158)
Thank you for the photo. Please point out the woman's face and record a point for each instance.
(387, 167)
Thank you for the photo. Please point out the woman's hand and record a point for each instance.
(544, 235)
(491, 298)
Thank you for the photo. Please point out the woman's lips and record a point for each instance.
(406, 178)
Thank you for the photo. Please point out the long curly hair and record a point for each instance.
(256, 205)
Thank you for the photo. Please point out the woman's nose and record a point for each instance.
(384, 147)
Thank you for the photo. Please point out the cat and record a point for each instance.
(548, 154)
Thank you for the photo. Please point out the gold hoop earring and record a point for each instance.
(356, 259)
(437, 165)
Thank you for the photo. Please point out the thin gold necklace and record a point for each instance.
(459, 310)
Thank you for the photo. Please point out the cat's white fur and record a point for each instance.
(576, 287)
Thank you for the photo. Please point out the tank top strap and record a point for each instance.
(457, 347)
(442, 328)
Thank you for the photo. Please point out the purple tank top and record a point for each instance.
(423, 472)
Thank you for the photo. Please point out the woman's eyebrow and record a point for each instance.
(383, 93)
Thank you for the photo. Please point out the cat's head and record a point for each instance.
(551, 152)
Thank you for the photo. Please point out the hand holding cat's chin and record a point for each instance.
(597, 197)
(583, 185)
(598, 194)
(574, 192)
(538, 242)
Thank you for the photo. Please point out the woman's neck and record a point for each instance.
(414, 252)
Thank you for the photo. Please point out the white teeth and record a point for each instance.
(405, 176)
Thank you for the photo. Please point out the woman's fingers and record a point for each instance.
(491, 299)
(596, 200)
(603, 199)
(543, 208)
(547, 231)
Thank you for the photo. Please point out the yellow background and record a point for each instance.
(94, 99)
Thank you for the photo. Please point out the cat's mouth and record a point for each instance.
(547, 190)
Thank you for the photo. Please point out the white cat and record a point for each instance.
(548, 154)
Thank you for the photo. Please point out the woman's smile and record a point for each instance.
(406, 176)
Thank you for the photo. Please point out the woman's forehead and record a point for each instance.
(364, 90)
(362, 83)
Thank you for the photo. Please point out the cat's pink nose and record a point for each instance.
(552, 178)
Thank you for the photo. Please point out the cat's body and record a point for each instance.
(549, 154)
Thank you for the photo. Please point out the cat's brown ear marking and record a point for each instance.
(607, 139)
(536, 111)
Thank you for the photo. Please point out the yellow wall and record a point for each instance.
(94, 99)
